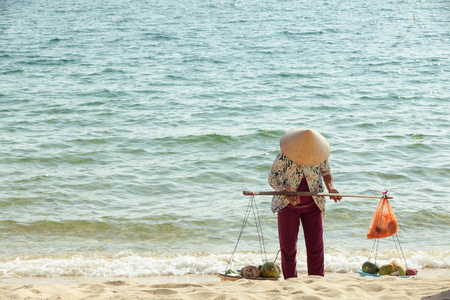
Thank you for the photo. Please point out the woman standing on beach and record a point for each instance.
(300, 166)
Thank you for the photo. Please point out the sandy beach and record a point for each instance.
(346, 286)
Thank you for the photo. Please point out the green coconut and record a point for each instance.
(386, 269)
(370, 268)
(270, 270)
(398, 271)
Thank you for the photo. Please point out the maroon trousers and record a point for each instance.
(289, 219)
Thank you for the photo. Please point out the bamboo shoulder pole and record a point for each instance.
(274, 193)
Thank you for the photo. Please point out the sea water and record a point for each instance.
(129, 129)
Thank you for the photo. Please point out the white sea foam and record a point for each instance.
(127, 264)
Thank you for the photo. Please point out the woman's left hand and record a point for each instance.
(328, 179)
(335, 198)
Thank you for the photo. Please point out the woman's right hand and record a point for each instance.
(294, 200)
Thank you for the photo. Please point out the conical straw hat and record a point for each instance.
(305, 146)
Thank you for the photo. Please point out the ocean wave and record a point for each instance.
(212, 139)
(220, 138)
(135, 264)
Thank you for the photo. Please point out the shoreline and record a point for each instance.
(188, 278)
(429, 284)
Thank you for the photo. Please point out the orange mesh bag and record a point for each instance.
(383, 222)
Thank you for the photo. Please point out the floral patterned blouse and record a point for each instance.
(287, 175)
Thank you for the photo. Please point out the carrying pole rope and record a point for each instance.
(400, 253)
(244, 222)
(375, 243)
(401, 250)
(251, 207)
(259, 230)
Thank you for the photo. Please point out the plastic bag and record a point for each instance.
(384, 222)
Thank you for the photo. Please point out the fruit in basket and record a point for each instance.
(231, 272)
(250, 272)
(396, 263)
(411, 272)
(398, 271)
(386, 269)
(270, 270)
(369, 268)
